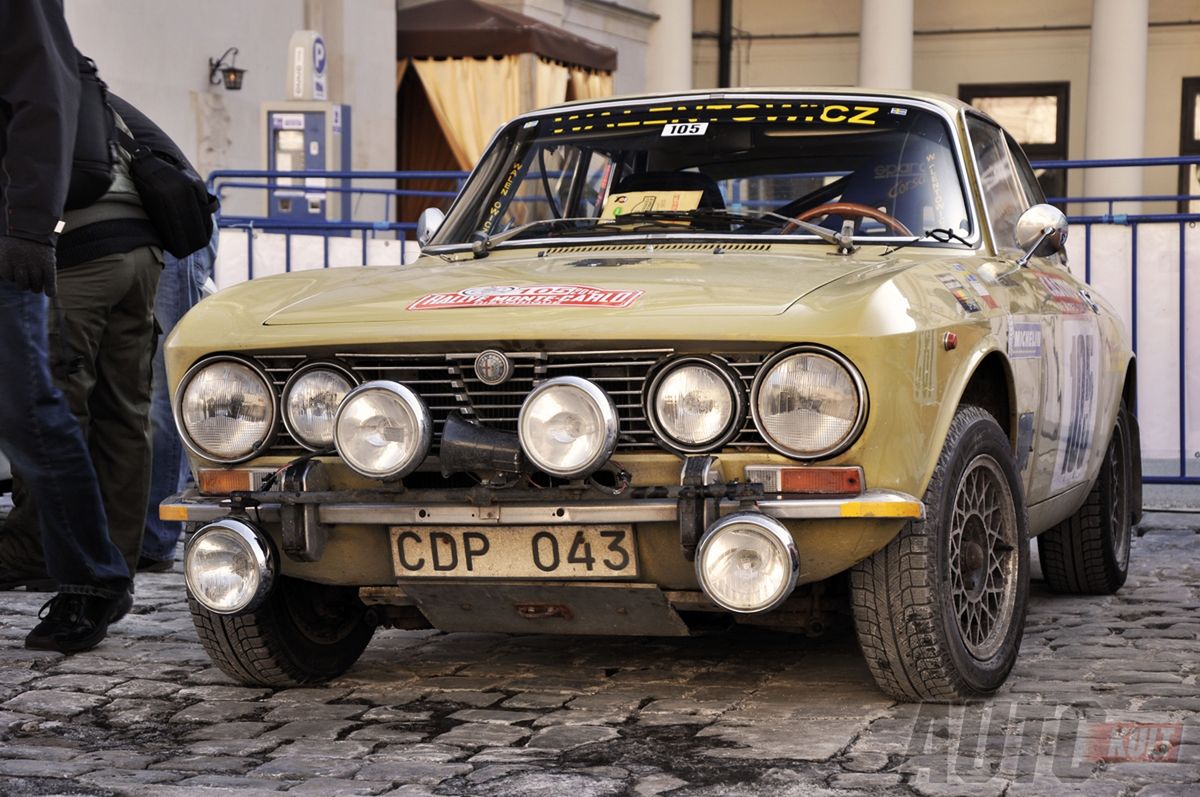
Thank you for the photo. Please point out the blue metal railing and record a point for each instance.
(222, 181)
(1134, 221)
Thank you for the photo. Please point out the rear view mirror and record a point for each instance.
(1041, 231)
(427, 224)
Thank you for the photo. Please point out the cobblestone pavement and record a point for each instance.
(1104, 701)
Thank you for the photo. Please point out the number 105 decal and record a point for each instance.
(686, 129)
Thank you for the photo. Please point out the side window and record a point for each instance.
(1003, 193)
(1029, 181)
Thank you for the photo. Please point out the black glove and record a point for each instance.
(28, 264)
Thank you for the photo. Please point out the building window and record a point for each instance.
(1189, 144)
(1036, 114)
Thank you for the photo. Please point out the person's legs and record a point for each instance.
(119, 434)
(170, 303)
(42, 438)
(179, 289)
(82, 307)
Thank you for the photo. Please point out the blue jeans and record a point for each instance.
(178, 291)
(43, 440)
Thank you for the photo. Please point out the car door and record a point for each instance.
(1051, 338)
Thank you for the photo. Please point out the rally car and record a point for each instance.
(668, 363)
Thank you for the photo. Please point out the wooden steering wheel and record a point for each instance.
(848, 209)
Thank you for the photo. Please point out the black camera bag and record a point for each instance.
(177, 202)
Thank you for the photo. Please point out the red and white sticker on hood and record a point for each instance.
(528, 296)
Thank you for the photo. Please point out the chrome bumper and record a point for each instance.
(882, 504)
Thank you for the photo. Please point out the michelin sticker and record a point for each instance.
(1025, 340)
(1079, 348)
(528, 296)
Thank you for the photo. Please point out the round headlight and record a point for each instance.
(747, 562)
(225, 410)
(695, 405)
(228, 567)
(310, 402)
(568, 427)
(809, 404)
(382, 430)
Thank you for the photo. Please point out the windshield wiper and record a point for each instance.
(484, 243)
(942, 235)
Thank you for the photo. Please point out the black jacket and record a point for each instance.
(39, 105)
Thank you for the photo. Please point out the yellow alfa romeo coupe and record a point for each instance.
(667, 364)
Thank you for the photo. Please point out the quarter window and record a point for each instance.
(999, 181)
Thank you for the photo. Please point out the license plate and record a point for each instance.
(552, 552)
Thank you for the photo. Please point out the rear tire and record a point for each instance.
(303, 633)
(941, 609)
(1088, 553)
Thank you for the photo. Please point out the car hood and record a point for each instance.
(505, 287)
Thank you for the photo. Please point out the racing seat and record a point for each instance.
(711, 199)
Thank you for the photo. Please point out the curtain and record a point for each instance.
(471, 98)
(421, 146)
(587, 85)
(549, 84)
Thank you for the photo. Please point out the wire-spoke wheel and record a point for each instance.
(983, 562)
(941, 609)
(1088, 553)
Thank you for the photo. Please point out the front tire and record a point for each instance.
(303, 633)
(941, 609)
(1088, 553)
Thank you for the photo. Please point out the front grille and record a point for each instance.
(447, 382)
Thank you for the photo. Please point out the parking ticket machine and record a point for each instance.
(307, 133)
(307, 137)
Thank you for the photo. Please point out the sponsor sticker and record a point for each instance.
(686, 129)
(959, 292)
(981, 289)
(1025, 340)
(1079, 350)
(1061, 293)
(528, 296)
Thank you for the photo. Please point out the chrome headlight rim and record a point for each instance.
(770, 527)
(424, 430)
(315, 365)
(177, 409)
(260, 550)
(736, 389)
(608, 415)
(860, 420)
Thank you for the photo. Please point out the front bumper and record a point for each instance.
(193, 507)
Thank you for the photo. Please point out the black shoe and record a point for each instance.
(148, 565)
(72, 623)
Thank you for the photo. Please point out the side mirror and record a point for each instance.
(1041, 231)
(427, 224)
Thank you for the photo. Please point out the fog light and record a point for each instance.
(568, 427)
(228, 567)
(747, 562)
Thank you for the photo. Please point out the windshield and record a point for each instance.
(743, 166)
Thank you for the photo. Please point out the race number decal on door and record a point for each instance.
(1080, 350)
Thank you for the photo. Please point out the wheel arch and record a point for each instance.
(987, 381)
(1129, 396)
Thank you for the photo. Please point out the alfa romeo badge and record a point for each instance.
(493, 367)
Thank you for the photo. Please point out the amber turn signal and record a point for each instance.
(807, 480)
(224, 482)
